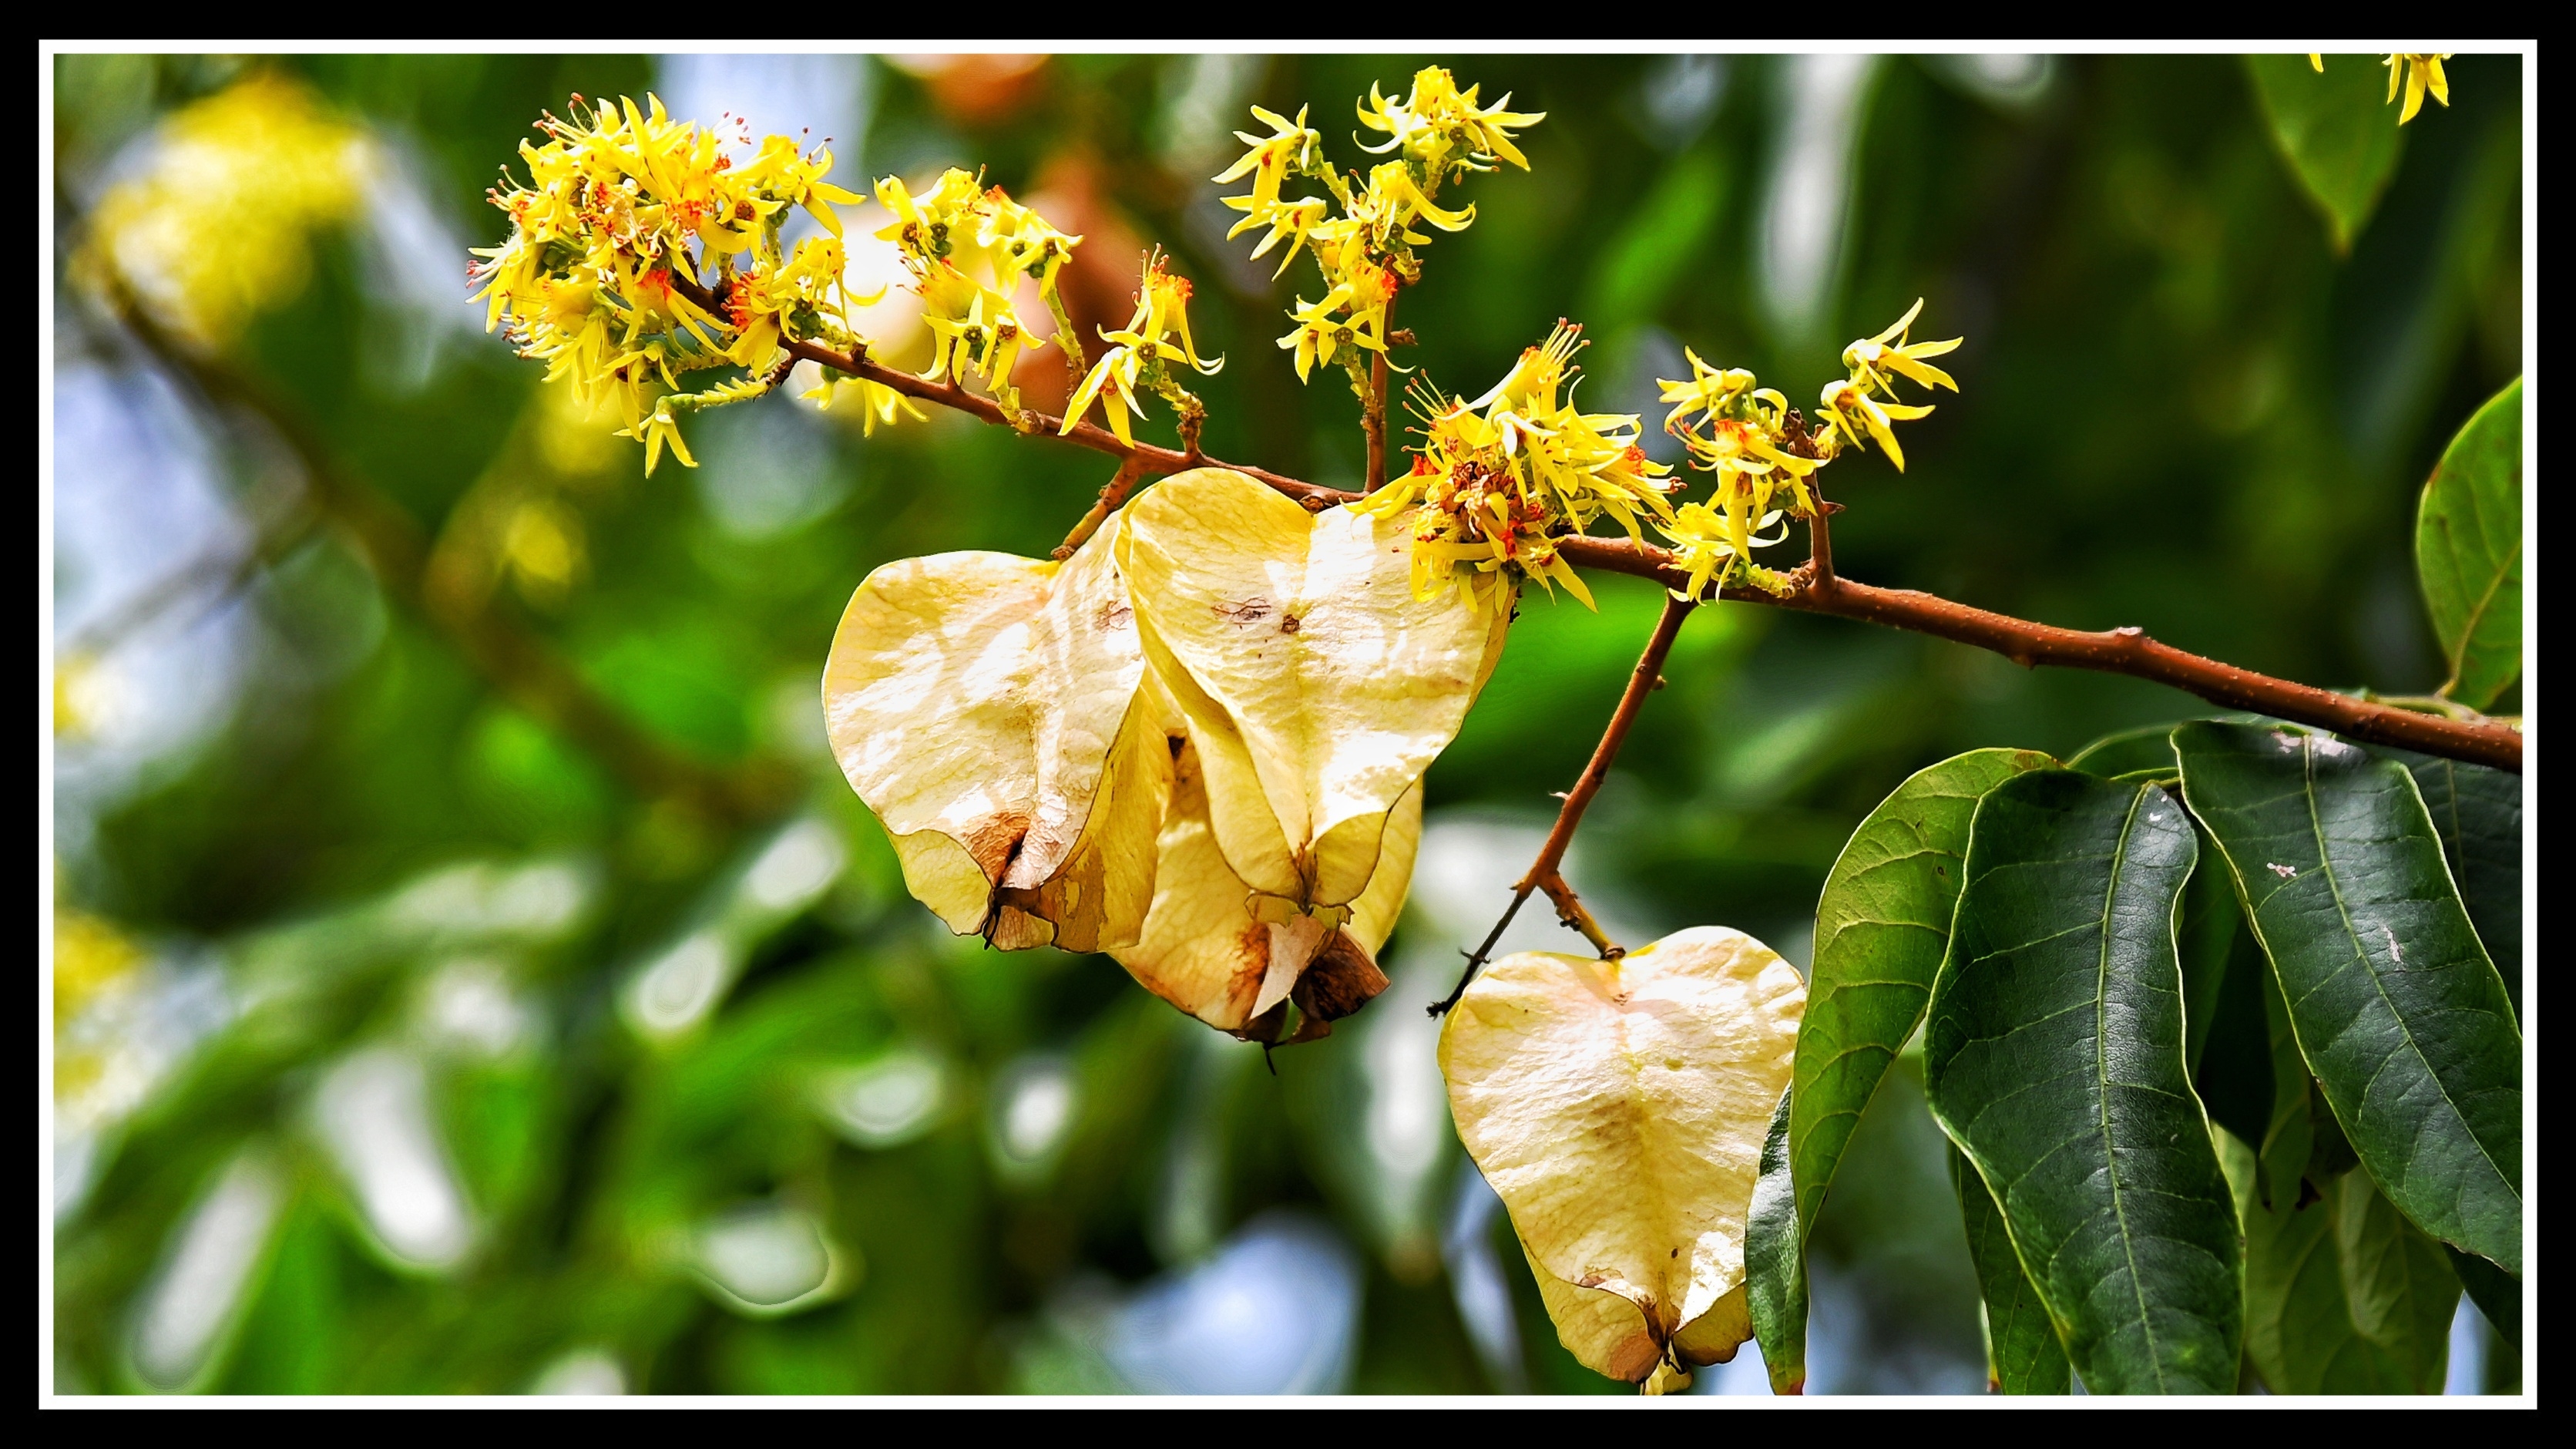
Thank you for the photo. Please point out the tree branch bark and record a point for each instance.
(1546, 872)
(2115, 651)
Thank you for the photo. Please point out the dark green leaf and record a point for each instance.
(2053, 1056)
(2478, 813)
(2497, 1293)
(2023, 1355)
(2397, 1010)
(2336, 130)
(2149, 747)
(2468, 549)
(2235, 1073)
(2204, 937)
(1774, 1266)
(1881, 928)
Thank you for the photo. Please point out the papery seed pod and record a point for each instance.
(1619, 1108)
(1315, 686)
(988, 708)
(1207, 948)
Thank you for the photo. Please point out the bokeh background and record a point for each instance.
(472, 974)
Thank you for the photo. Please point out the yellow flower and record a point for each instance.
(1294, 220)
(1857, 415)
(1444, 130)
(1395, 199)
(1709, 392)
(1320, 333)
(1890, 351)
(879, 404)
(1289, 147)
(1113, 376)
(2420, 74)
(1162, 311)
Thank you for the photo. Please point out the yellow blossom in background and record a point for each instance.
(217, 227)
(2418, 76)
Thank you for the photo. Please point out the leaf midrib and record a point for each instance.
(2361, 953)
(2102, 1084)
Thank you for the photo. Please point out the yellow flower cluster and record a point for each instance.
(1141, 354)
(1501, 477)
(967, 245)
(1361, 233)
(1760, 449)
(640, 251)
(216, 228)
(625, 214)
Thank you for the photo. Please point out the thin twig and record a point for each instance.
(2115, 651)
(1112, 493)
(1373, 417)
(521, 666)
(228, 571)
(1546, 872)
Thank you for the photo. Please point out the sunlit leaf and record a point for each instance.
(2398, 1011)
(2468, 550)
(2336, 131)
(1881, 929)
(1619, 1108)
(2053, 1056)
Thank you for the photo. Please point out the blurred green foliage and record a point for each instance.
(633, 1031)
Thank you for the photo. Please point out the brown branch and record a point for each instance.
(522, 667)
(1112, 494)
(2112, 651)
(2117, 651)
(1373, 417)
(1546, 872)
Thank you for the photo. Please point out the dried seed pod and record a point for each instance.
(1208, 949)
(1619, 1107)
(988, 708)
(1317, 688)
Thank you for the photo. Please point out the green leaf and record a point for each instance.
(2468, 550)
(2397, 1010)
(2234, 1078)
(2497, 1293)
(2402, 1290)
(2053, 1056)
(1881, 928)
(2335, 130)
(2148, 747)
(2204, 937)
(1775, 1268)
(2023, 1355)
(2477, 812)
(2342, 1294)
